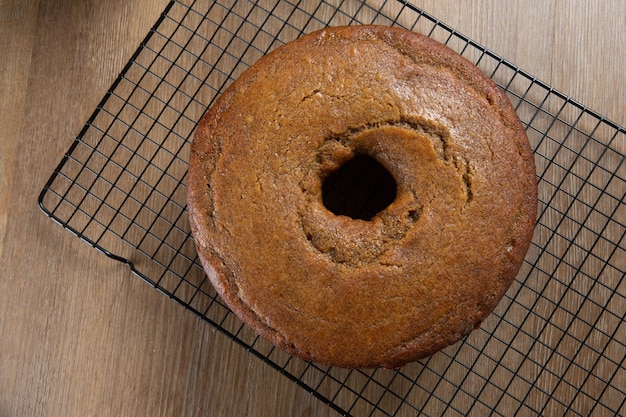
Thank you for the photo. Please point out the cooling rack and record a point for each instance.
(555, 345)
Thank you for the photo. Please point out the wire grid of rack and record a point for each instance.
(555, 345)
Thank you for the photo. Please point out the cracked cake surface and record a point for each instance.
(417, 276)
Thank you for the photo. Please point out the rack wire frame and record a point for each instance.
(555, 345)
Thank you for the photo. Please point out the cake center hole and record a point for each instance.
(360, 188)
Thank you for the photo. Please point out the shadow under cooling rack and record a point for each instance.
(555, 345)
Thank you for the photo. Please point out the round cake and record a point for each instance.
(397, 284)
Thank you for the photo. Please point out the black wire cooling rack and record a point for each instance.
(555, 345)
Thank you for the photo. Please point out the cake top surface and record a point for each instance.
(421, 273)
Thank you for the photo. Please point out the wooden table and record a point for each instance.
(79, 335)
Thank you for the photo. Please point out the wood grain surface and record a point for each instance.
(81, 336)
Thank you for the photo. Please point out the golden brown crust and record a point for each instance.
(422, 273)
